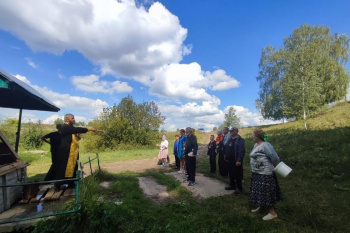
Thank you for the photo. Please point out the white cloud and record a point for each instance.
(205, 115)
(51, 119)
(208, 115)
(22, 78)
(120, 37)
(189, 110)
(61, 76)
(31, 63)
(188, 81)
(27, 115)
(68, 103)
(126, 40)
(92, 83)
(172, 127)
(249, 118)
(219, 81)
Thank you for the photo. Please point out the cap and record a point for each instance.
(233, 129)
(219, 132)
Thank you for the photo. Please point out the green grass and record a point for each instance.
(41, 162)
(316, 194)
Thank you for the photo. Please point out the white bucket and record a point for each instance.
(282, 169)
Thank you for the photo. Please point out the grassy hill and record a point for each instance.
(316, 194)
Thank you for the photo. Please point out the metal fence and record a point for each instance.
(79, 181)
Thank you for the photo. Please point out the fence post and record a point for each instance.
(98, 161)
(90, 164)
(77, 191)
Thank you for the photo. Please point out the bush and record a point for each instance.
(8, 128)
(31, 136)
(125, 125)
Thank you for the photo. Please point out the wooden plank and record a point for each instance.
(12, 167)
(69, 192)
(53, 195)
(49, 194)
(40, 194)
(57, 195)
(24, 201)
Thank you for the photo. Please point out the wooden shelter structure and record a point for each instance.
(12, 171)
(16, 94)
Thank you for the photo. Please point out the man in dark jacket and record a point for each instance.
(223, 166)
(234, 154)
(191, 148)
(175, 152)
(212, 154)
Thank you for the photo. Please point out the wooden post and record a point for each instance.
(98, 161)
(18, 133)
(90, 164)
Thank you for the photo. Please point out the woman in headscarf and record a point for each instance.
(264, 188)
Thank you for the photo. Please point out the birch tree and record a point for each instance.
(306, 73)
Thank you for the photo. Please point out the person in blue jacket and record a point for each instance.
(175, 152)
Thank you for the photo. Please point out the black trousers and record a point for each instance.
(177, 162)
(236, 174)
(212, 161)
(222, 164)
(187, 165)
(191, 161)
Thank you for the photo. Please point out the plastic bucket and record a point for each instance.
(282, 169)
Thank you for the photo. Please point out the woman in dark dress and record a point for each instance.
(264, 188)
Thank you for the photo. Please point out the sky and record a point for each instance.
(195, 59)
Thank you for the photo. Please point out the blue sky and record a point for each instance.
(195, 59)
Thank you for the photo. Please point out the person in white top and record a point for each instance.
(163, 152)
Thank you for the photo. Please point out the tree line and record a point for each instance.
(127, 125)
(306, 73)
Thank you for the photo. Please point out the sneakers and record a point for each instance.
(164, 165)
(191, 183)
(269, 217)
(180, 171)
(229, 188)
(256, 210)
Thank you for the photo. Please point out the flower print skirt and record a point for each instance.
(264, 190)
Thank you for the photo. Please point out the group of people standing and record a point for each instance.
(264, 188)
(231, 150)
(185, 152)
(64, 151)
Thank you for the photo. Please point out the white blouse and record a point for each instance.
(164, 145)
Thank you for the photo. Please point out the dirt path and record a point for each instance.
(142, 165)
(205, 187)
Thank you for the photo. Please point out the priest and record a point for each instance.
(68, 152)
